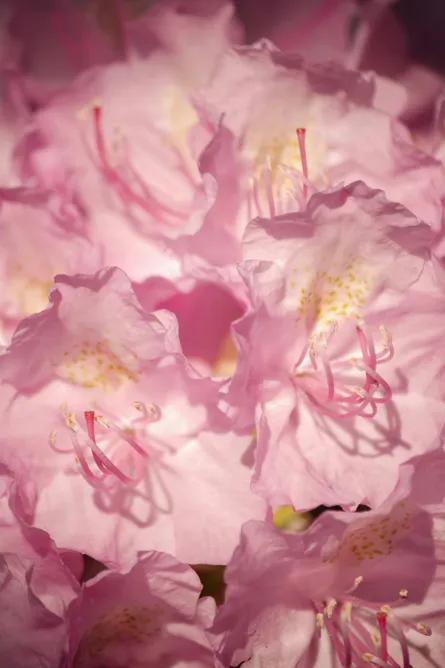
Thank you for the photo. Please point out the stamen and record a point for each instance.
(345, 620)
(149, 204)
(81, 439)
(301, 134)
(89, 419)
(357, 582)
(400, 635)
(336, 642)
(388, 352)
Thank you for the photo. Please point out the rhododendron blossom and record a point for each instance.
(124, 422)
(149, 614)
(341, 387)
(350, 591)
(345, 137)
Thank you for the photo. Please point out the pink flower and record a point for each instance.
(149, 615)
(37, 586)
(202, 216)
(322, 129)
(54, 581)
(352, 590)
(128, 438)
(346, 384)
(135, 159)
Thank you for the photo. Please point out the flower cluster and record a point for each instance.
(222, 306)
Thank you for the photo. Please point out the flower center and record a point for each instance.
(93, 364)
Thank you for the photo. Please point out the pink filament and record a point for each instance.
(89, 419)
(147, 203)
(351, 640)
(365, 402)
(301, 134)
(80, 440)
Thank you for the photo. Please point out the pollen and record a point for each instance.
(93, 364)
(331, 294)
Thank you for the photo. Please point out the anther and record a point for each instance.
(330, 607)
(320, 620)
(346, 610)
(423, 629)
(357, 582)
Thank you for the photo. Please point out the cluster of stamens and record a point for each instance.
(273, 176)
(94, 464)
(347, 623)
(339, 400)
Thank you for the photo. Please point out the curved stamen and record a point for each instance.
(105, 461)
(88, 474)
(353, 643)
(363, 398)
(147, 203)
(377, 378)
(89, 419)
(81, 440)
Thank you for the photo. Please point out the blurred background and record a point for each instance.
(402, 41)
